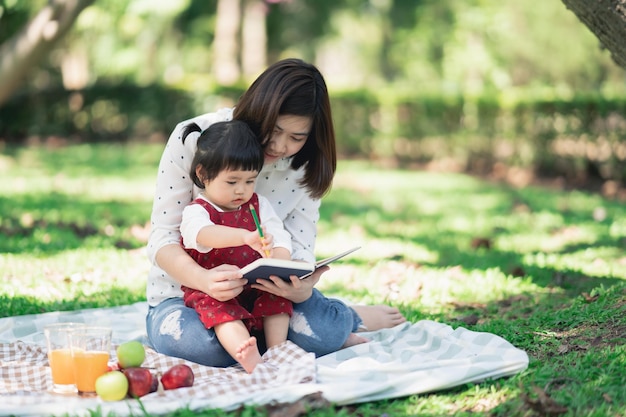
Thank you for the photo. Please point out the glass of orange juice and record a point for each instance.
(60, 357)
(90, 350)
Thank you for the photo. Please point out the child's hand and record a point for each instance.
(262, 245)
(268, 246)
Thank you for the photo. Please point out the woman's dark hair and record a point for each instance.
(294, 87)
(224, 145)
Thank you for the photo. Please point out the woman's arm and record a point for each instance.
(301, 223)
(222, 283)
(174, 190)
(300, 214)
(273, 224)
(293, 205)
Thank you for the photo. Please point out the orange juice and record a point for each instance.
(62, 366)
(88, 366)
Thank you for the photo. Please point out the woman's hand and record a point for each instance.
(297, 291)
(223, 282)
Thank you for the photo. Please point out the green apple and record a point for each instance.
(130, 354)
(112, 386)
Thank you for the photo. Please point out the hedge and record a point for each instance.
(578, 137)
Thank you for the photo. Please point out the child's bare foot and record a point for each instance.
(248, 355)
(379, 316)
(354, 339)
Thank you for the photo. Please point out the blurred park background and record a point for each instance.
(514, 90)
(508, 90)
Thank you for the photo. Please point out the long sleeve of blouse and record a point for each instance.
(174, 187)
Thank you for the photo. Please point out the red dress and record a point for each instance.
(251, 305)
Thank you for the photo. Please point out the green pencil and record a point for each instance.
(258, 227)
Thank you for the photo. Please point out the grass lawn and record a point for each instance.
(543, 268)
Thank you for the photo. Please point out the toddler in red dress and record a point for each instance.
(218, 228)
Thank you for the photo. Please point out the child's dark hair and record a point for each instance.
(225, 145)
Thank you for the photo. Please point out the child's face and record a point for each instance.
(230, 189)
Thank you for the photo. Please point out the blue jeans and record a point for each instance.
(320, 325)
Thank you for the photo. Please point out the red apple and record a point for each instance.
(177, 376)
(139, 381)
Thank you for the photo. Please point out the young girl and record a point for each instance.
(218, 228)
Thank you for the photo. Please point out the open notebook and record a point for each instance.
(264, 267)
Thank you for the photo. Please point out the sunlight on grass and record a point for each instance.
(430, 290)
(597, 261)
(62, 276)
(334, 241)
(72, 280)
(554, 240)
(100, 171)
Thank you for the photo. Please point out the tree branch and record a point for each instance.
(607, 20)
(25, 49)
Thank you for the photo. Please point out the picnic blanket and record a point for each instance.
(412, 358)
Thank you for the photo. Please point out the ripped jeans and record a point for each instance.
(320, 325)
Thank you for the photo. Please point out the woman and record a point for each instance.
(288, 108)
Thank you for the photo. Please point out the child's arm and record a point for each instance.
(218, 236)
(281, 253)
(200, 233)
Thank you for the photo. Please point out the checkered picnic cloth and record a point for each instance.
(25, 376)
(411, 358)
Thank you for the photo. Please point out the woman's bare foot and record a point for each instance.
(354, 339)
(248, 355)
(379, 316)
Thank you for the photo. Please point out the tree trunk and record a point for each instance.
(254, 38)
(226, 46)
(607, 20)
(26, 48)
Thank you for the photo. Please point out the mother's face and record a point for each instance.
(288, 137)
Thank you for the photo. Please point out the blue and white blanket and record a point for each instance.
(412, 358)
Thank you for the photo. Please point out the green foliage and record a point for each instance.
(412, 82)
(101, 113)
(14, 14)
(433, 46)
(301, 24)
(579, 138)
